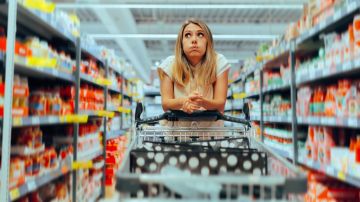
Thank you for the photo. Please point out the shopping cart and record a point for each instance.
(166, 163)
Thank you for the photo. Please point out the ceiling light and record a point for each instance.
(174, 36)
(180, 6)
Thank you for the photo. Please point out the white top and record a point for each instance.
(179, 91)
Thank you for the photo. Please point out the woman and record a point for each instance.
(196, 78)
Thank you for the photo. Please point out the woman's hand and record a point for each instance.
(190, 106)
(198, 99)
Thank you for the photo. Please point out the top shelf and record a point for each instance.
(281, 56)
(37, 23)
(339, 18)
(92, 53)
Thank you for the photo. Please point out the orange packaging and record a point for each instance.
(330, 101)
(17, 172)
(38, 104)
(357, 149)
(20, 49)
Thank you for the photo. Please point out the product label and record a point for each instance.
(52, 119)
(35, 120)
(17, 121)
(357, 63)
(337, 15)
(37, 106)
(36, 167)
(28, 170)
(341, 175)
(14, 194)
(352, 122)
(347, 66)
(351, 7)
(31, 185)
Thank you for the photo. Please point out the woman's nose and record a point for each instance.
(194, 39)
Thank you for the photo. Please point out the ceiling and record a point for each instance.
(144, 52)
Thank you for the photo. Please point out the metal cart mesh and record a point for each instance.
(204, 164)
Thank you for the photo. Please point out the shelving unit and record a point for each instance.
(331, 171)
(32, 185)
(305, 46)
(35, 24)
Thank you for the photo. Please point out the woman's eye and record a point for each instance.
(200, 35)
(187, 35)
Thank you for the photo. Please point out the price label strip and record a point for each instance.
(341, 175)
(17, 121)
(76, 165)
(14, 194)
(124, 110)
(103, 113)
(75, 118)
(103, 82)
(31, 185)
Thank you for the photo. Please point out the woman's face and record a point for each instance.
(194, 43)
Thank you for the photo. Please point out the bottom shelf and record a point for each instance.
(331, 171)
(281, 151)
(34, 184)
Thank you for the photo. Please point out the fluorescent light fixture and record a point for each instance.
(174, 36)
(179, 6)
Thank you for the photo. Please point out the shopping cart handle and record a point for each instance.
(178, 115)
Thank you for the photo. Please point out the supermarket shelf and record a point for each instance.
(319, 74)
(91, 80)
(278, 133)
(95, 196)
(330, 24)
(126, 128)
(281, 152)
(38, 72)
(125, 110)
(91, 53)
(114, 134)
(281, 56)
(278, 119)
(112, 109)
(152, 93)
(330, 121)
(237, 107)
(331, 171)
(114, 89)
(254, 118)
(33, 21)
(236, 80)
(250, 95)
(127, 95)
(89, 154)
(45, 72)
(48, 120)
(32, 185)
(99, 113)
(276, 88)
(252, 70)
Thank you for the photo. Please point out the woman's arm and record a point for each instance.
(167, 96)
(220, 94)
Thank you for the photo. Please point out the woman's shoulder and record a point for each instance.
(168, 61)
(167, 64)
(222, 64)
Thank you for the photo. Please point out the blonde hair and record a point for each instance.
(181, 67)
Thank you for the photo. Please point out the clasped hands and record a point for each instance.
(194, 102)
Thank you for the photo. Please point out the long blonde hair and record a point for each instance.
(181, 68)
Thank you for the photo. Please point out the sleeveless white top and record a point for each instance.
(180, 91)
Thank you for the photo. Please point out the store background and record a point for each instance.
(286, 59)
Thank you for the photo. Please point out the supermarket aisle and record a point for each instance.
(72, 95)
